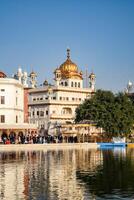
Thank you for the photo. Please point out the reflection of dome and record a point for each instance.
(69, 69)
(2, 75)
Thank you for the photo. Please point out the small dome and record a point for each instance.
(57, 70)
(2, 75)
(45, 83)
(92, 75)
(32, 74)
(130, 84)
(19, 70)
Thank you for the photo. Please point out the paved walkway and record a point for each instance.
(59, 146)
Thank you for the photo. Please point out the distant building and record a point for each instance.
(129, 90)
(129, 87)
(12, 104)
(52, 106)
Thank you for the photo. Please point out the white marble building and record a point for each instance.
(12, 106)
(54, 105)
(11, 101)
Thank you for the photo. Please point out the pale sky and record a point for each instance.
(100, 34)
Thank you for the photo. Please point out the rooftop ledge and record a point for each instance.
(18, 126)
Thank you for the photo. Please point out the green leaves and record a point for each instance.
(114, 113)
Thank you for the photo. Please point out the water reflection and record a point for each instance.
(67, 175)
(113, 179)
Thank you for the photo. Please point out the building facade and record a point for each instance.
(12, 104)
(51, 106)
(11, 101)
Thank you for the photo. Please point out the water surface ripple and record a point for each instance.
(67, 174)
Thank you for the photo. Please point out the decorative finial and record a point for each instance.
(92, 69)
(68, 53)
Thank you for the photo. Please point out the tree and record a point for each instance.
(113, 113)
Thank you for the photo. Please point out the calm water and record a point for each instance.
(67, 175)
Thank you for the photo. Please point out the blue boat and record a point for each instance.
(111, 144)
(116, 142)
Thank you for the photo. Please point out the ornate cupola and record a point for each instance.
(92, 78)
(45, 83)
(33, 81)
(57, 78)
(25, 79)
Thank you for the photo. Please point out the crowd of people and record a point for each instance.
(35, 139)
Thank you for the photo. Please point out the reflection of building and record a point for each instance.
(12, 106)
(47, 175)
(65, 171)
(11, 177)
(53, 105)
(54, 173)
(59, 172)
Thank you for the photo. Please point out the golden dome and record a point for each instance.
(69, 69)
(68, 65)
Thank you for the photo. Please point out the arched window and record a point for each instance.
(75, 84)
(79, 84)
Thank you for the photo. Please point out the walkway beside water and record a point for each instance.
(57, 146)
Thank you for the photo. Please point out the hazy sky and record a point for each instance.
(100, 34)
